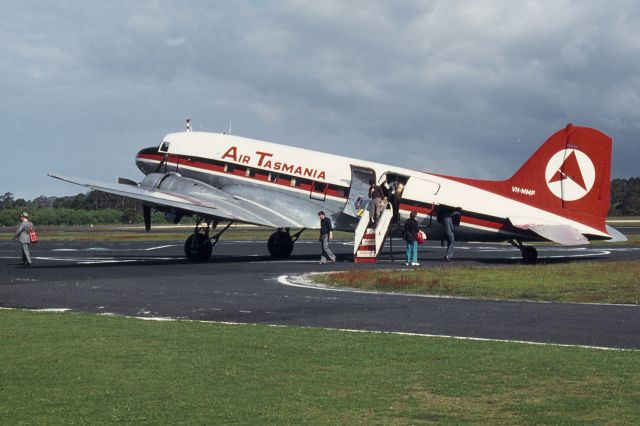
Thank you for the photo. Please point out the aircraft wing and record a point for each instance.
(562, 234)
(213, 203)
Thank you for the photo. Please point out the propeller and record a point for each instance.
(162, 162)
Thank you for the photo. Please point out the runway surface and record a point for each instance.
(242, 284)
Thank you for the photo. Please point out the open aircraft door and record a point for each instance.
(359, 190)
(422, 194)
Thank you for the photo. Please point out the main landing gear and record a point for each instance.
(280, 244)
(199, 246)
(529, 253)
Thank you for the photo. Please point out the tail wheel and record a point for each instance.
(529, 254)
(280, 245)
(200, 251)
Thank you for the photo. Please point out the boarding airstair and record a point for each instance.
(368, 239)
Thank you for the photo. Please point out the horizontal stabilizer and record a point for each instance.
(616, 236)
(562, 234)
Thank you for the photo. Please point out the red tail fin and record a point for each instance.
(569, 175)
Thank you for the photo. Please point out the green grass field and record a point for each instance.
(87, 369)
(580, 282)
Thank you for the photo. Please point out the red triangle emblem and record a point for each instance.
(570, 169)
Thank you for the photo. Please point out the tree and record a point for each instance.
(6, 201)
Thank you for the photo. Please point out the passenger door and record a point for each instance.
(359, 190)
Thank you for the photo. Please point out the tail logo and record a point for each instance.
(570, 174)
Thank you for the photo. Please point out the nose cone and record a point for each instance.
(148, 159)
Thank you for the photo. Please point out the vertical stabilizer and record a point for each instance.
(570, 175)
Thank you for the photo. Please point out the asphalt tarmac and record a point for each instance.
(241, 284)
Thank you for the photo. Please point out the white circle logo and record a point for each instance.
(570, 174)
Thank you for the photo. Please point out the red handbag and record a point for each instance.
(420, 237)
(33, 237)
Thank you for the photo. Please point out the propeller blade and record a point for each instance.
(163, 162)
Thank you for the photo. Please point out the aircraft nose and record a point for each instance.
(147, 159)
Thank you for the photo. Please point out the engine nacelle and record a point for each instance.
(177, 184)
(154, 180)
(186, 187)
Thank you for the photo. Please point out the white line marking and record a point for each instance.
(160, 247)
(304, 283)
(284, 261)
(283, 279)
(598, 253)
(347, 330)
(155, 318)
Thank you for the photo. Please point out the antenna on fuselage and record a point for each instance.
(188, 125)
(229, 130)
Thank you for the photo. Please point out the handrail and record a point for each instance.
(360, 230)
(382, 225)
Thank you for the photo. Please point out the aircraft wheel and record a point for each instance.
(529, 254)
(280, 245)
(202, 251)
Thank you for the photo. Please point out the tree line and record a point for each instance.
(625, 197)
(83, 209)
(101, 208)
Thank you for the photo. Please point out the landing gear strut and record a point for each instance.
(280, 244)
(199, 246)
(529, 253)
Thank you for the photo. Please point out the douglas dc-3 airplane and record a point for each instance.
(560, 194)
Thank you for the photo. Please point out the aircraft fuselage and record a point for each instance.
(296, 183)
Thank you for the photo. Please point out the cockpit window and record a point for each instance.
(164, 147)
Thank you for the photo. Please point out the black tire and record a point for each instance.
(203, 249)
(280, 245)
(529, 254)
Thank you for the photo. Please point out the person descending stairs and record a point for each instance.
(368, 238)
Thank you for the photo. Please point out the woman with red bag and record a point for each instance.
(411, 230)
(22, 236)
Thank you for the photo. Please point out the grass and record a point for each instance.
(592, 282)
(86, 369)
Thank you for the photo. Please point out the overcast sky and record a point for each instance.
(467, 88)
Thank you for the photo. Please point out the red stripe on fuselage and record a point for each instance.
(240, 170)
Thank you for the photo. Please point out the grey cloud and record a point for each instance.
(466, 88)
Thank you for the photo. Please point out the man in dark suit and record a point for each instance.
(326, 234)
